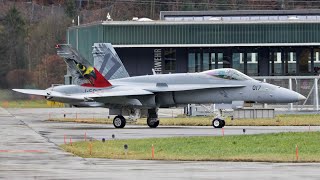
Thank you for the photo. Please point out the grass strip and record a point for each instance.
(30, 104)
(279, 120)
(279, 147)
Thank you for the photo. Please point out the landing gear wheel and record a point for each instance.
(218, 123)
(153, 122)
(223, 122)
(119, 122)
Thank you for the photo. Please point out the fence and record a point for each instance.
(305, 85)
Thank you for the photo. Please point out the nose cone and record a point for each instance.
(301, 97)
(284, 95)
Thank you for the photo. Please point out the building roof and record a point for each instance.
(223, 17)
(240, 13)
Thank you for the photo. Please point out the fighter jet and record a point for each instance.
(126, 95)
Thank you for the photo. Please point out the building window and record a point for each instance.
(191, 62)
(170, 60)
(292, 63)
(206, 62)
(252, 64)
(219, 57)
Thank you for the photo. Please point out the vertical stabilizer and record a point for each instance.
(82, 72)
(107, 61)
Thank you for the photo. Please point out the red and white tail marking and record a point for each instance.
(99, 81)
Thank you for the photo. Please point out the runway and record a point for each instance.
(29, 150)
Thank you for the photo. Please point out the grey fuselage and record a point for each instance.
(245, 90)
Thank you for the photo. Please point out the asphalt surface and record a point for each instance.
(29, 150)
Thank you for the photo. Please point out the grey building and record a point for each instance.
(258, 43)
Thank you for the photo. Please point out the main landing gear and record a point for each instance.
(152, 119)
(218, 123)
(119, 121)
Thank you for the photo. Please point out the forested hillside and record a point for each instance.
(29, 29)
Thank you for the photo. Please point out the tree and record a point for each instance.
(263, 5)
(43, 37)
(15, 33)
(3, 57)
(12, 38)
(70, 9)
(19, 78)
(186, 5)
(50, 71)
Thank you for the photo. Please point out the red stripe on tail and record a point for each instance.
(98, 81)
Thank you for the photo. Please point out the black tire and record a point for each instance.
(218, 123)
(223, 123)
(119, 121)
(152, 123)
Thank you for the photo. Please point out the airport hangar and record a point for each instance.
(257, 43)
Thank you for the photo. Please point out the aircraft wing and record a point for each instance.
(113, 92)
(187, 87)
(121, 91)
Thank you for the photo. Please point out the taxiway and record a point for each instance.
(29, 150)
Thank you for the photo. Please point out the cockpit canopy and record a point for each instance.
(228, 73)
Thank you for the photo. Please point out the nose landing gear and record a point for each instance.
(218, 123)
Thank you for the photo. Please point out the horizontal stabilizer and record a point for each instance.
(48, 93)
(33, 92)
